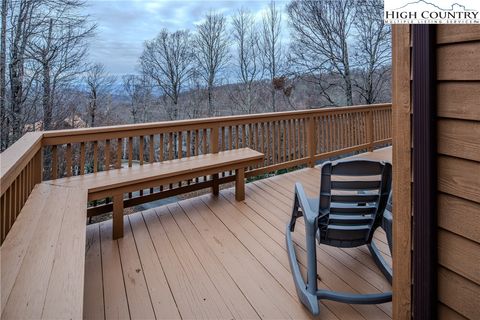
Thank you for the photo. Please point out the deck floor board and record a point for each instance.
(215, 258)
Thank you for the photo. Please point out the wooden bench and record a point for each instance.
(115, 183)
(43, 256)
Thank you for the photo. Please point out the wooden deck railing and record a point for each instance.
(288, 139)
(21, 169)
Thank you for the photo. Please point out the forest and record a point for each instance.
(338, 54)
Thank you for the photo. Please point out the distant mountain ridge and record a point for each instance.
(452, 7)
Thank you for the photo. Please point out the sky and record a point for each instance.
(124, 25)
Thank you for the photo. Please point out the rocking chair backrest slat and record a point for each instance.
(353, 195)
(355, 185)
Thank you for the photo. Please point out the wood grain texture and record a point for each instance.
(49, 266)
(459, 62)
(459, 138)
(454, 33)
(458, 293)
(445, 313)
(211, 256)
(93, 288)
(459, 254)
(458, 100)
(459, 177)
(402, 193)
(459, 216)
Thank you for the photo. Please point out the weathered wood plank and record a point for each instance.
(449, 104)
(459, 138)
(402, 192)
(65, 289)
(452, 33)
(458, 293)
(139, 303)
(158, 286)
(459, 216)
(459, 61)
(459, 177)
(93, 306)
(459, 254)
(115, 296)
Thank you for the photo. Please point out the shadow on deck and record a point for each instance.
(215, 258)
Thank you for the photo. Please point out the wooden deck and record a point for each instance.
(215, 258)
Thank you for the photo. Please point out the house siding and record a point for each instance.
(458, 161)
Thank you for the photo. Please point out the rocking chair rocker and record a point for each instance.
(346, 215)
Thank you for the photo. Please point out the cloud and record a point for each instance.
(124, 25)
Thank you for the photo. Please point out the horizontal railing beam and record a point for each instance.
(55, 137)
(14, 159)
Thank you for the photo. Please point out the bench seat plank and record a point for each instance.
(117, 178)
(14, 248)
(54, 254)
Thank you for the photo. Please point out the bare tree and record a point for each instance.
(246, 39)
(23, 24)
(139, 90)
(211, 51)
(373, 51)
(272, 47)
(59, 47)
(3, 81)
(99, 83)
(167, 59)
(320, 34)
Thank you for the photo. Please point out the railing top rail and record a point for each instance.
(17, 156)
(214, 121)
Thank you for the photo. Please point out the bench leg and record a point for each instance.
(240, 184)
(117, 216)
(215, 187)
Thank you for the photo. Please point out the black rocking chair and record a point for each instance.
(346, 215)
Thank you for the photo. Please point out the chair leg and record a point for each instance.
(380, 261)
(306, 292)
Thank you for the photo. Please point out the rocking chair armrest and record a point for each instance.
(308, 213)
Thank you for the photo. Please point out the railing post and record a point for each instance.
(370, 130)
(214, 149)
(38, 166)
(311, 141)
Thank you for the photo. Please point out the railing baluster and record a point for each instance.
(95, 156)
(188, 142)
(237, 137)
(161, 149)
(370, 130)
(204, 142)
(170, 146)
(268, 146)
(119, 153)
(107, 155)
(141, 150)
(130, 151)
(151, 151)
(161, 155)
(180, 145)
(81, 169)
(197, 142)
(54, 162)
(262, 140)
(69, 160)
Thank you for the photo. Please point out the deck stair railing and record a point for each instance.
(288, 139)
